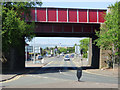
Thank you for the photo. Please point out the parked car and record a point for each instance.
(67, 58)
(40, 57)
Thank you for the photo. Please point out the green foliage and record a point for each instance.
(14, 26)
(108, 35)
(46, 48)
(55, 46)
(51, 48)
(84, 43)
(71, 49)
(85, 55)
(62, 49)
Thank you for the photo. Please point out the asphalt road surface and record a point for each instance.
(60, 74)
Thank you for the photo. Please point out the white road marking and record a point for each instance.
(37, 76)
(48, 64)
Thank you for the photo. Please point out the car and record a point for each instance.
(62, 54)
(29, 59)
(40, 57)
(67, 58)
(49, 55)
(72, 56)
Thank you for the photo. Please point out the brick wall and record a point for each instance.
(103, 57)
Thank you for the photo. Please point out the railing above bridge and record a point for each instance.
(67, 15)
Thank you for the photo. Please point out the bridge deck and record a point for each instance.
(65, 28)
(67, 15)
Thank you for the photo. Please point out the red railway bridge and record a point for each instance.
(67, 22)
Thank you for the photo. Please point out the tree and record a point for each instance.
(51, 48)
(109, 32)
(62, 49)
(84, 44)
(14, 30)
(14, 26)
(71, 49)
(47, 48)
(56, 47)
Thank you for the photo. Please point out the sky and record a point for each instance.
(55, 41)
(79, 3)
(91, 4)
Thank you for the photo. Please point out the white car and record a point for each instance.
(62, 54)
(49, 55)
(67, 58)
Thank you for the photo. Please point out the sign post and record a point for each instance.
(34, 50)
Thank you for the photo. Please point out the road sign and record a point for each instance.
(77, 49)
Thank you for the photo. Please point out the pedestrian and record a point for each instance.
(79, 73)
(81, 52)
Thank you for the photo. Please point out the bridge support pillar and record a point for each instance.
(90, 52)
(95, 54)
(19, 60)
(16, 59)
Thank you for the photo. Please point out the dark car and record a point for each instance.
(40, 57)
(72, 56)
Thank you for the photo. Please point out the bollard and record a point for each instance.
(79, 73)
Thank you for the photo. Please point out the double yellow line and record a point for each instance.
(9, 80)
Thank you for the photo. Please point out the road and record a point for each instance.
(60, 74)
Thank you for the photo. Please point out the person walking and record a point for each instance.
(81, 52)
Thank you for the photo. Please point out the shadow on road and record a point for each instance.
(42, 70)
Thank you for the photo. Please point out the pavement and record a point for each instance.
(75, 84)
(103, 72)
(7, 76)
